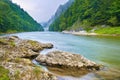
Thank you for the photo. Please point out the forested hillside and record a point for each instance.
(87, 14)
(15, 19)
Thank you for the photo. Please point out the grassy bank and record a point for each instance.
(108, 30)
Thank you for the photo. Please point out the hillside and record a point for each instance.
(88, 15)
(61, 9)
(15, 19)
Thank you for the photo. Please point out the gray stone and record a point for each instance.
(65, 59)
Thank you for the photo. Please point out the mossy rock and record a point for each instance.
(3, 41)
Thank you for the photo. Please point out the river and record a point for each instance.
(102, 50)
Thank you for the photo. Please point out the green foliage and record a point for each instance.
(15, 19)
(89, 13)
(113, 20)
(4, 74)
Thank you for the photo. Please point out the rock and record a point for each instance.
(68, 60)
(13, 37)
(18, 71)
(3, 42)
(16, 55)
(13, 46)
(47, 45)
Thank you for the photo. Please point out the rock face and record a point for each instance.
(69, 60)
(16, 55)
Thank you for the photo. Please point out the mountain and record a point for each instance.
(15, 19)
(61, 9)
(88, 14)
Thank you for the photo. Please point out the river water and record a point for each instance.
(102, 50)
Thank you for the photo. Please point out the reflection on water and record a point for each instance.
(103, 50)
(76, 74)
(109, 74)
(68, 71)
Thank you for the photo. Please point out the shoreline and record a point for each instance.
(80, 33)
(89, 34)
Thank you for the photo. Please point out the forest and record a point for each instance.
(88, 15)
(15, 19)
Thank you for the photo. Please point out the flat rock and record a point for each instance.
(67, 60)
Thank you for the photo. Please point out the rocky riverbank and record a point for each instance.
(84, 33)
(16, 60)
(80, 33)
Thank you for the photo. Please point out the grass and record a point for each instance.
(12, 43)
(17, 75)
(37, 71)
(33, 43)
(108, 30)
(11, 31)
(17, 60)
(4, 74)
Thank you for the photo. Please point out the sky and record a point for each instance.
(40, 10)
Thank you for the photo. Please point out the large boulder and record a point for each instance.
(67, 60)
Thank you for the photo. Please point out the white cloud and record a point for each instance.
(40, 10)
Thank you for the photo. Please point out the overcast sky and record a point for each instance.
(40, 10)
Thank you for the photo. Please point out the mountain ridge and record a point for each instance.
(61, 9)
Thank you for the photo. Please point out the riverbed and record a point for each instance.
(103, 50)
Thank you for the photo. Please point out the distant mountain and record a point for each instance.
(88, 15)
(15, 19)
(61, 9)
